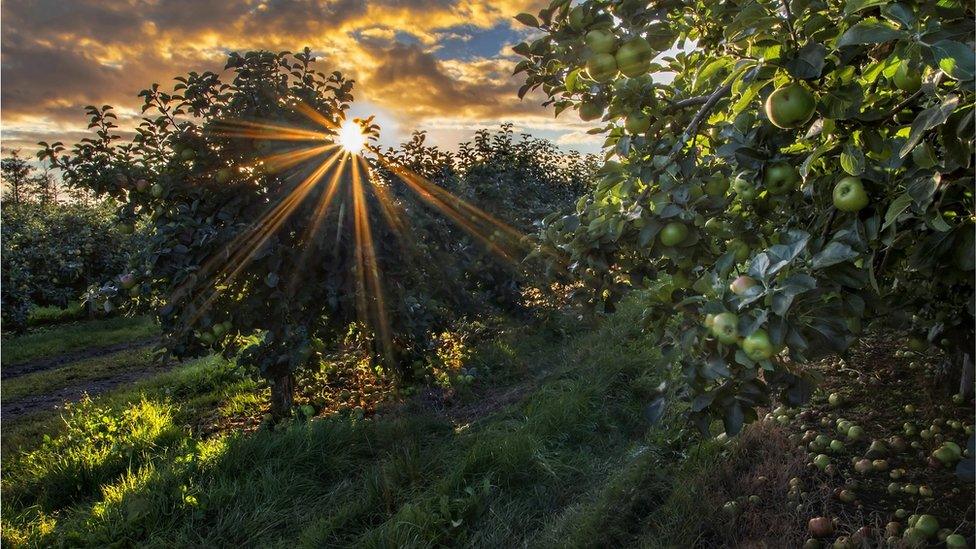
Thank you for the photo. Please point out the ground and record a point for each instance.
(547, 448)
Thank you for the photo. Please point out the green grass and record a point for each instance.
(91, 370)
(545, 470)
(66, 338)
(40, 316)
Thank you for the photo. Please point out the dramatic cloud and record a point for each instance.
(440, 65)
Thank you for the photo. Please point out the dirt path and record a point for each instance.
(13, 409)
(48, 363)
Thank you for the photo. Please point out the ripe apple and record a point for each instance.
(128, 280)
(673, 233)
(601, 67)
(637, 123)
(634, 57)
(601, 41)
(849, 195)
(780, 178)
(906, 78)
(142, 185)
(725, 328)
(790, 106)
(741, 284)
(757, 346)
(820, 527)
(590, 110)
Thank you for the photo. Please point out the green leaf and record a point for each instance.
(832, 254)
(896, 208)
(870, 31)
(955, 59)
(527, 19)
(854, 6)
(809, 62)
(926, 120)
(852, 159)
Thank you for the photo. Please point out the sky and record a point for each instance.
(444, 66)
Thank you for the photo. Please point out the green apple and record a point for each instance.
(745, 188)
(637, 123)
(821, 461)
(757, 346)
(673, 233)
(188, 154)
(601, 41)
(224, 175)
(709, 320)
(740, 248)
(927, 525)
(906, 78)
(835, 399)
(126, 228)
(956, 541)
(780, 178)
(156, 190)
(741, 284)
(601, 67)
(590, 110)
(790, 106)
(725, 328)
(634, 57)
(849, 195)
(717, 185)
(715, 226)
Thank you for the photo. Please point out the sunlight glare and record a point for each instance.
(351, 137)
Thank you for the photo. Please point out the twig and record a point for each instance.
(692, 129)
(684, 103)
(789, 22)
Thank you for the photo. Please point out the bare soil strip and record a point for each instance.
(48, 363)
(14, 409)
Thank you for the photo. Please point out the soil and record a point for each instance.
(13, 409)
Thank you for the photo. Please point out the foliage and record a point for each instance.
(53, 252)
(246, 240)
(821, 263)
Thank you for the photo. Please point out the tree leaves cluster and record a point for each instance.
(892, 88)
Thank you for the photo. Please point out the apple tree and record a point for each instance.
(777, 174)
(248, 239)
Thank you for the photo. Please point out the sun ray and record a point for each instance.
(321, 209)
(367, 268)
(271, 132)
(316, 116)
(224, 266)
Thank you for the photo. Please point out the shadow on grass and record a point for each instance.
(403, 479)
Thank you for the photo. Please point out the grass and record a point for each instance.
(89, 371)
(50, 342)
(40, 316)
(410, 476)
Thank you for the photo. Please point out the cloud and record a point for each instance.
(59, 56)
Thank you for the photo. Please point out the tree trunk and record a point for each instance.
(282, 395)
(967, 377)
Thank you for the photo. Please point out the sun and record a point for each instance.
(351, 137)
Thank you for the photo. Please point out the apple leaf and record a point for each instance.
(955, 59)
(832, 254)
(809, 62)
(527, 19)
(852, 159)
(926, 120)
(896, 208)
(870, 31)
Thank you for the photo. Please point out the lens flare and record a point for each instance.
(351, 137)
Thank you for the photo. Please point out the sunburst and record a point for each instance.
(348, 140)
